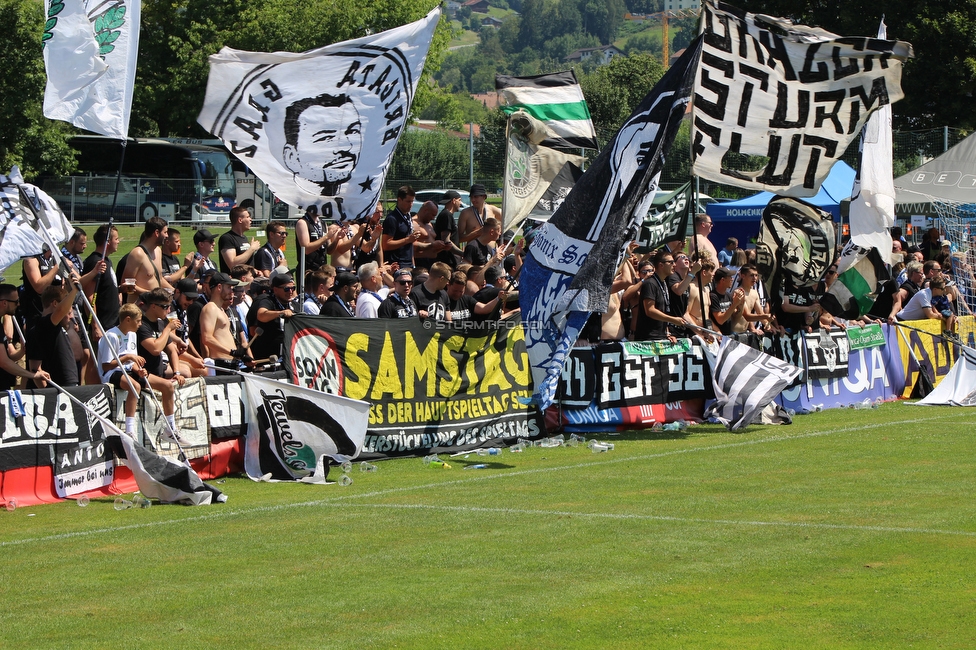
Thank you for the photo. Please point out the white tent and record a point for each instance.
(958, 388)
(949, 177)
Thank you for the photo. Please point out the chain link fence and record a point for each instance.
(443, 160)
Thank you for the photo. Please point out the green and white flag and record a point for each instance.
(556, 100)
(529, 168)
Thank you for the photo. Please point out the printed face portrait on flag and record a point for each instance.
(319, 127)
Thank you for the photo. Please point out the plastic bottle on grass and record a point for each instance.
(121, 504)
(10, 505)
(490, 451)
(82, 501)
(345, 480)
(346, 466)
(367, 467)
(517, 448)
(434, 461)
(139, 501)
(478, 466)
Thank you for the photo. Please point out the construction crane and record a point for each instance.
(664, 17)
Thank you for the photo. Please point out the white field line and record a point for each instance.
(602, 460)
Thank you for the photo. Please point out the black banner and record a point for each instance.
(826, 354)
(51, 425)
(651, 372)
(432, 387)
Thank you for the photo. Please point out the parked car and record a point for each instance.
(436, 196)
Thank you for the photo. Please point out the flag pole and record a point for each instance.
(115, 198)
(694, 239)
(61, 262)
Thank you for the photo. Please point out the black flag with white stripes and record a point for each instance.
(745, 381)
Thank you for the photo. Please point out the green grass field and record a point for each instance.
(848, 529)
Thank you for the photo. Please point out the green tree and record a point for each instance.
(177, 38)
(428, 156)
(603, 18)
(27, 138)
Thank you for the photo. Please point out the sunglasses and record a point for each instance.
(404, 282)
(288, 289)
(16, 301)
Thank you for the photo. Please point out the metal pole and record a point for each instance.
(470, 153)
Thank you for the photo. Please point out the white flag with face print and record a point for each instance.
(319, 127)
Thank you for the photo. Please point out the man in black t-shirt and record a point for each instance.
(151, 339)
(269, 257)
(107, 301)
(398, 304)
(398, 231)
(429, 296)
(345, 290)
(269, 312)
(233, 246)
(720, 302)
(481, 250)
(48, 344)
(654, 312)
(446, 228)
(9, 355)
(460, 308)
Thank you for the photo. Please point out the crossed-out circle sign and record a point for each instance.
(315, 361)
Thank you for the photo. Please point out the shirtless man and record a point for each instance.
(473, 218)
(145, 261)
(745, 317)
(345, 244)
(426, 250)
(699, 291)
(215, 333)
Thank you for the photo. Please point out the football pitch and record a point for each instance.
(847, 529)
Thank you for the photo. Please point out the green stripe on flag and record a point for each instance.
(546, 112)
(859, 287)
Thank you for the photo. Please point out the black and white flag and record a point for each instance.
(745, 381)
(827, 354)
(26, 210)
(165, 479)
(292, 429)
(574, 256)
(666, 220)
(796, 244)
(319, 127)
(795, 95)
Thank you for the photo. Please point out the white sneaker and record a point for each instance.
(174, 437)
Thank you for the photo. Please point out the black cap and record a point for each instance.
(401, 272)
(478, 190)
(202, 235)
(223, 278)
(282, 280)
(345, 279)
(188, 288)
(449, 196)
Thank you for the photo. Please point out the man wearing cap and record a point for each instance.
(398, 231)
(269, 313)
(269, 257)
(185, 294)
(446, 228)
(199, 262)
(344, 294)
(234, 247)
(398, 304)
(473, 218)
(216, 336)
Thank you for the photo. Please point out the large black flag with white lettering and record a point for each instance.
(573, 258)
(794, 95)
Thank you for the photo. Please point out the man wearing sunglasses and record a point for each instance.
(398, 304)
(269, 313)
(654, 311)
(9, 354)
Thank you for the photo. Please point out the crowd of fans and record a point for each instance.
(165, 316)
